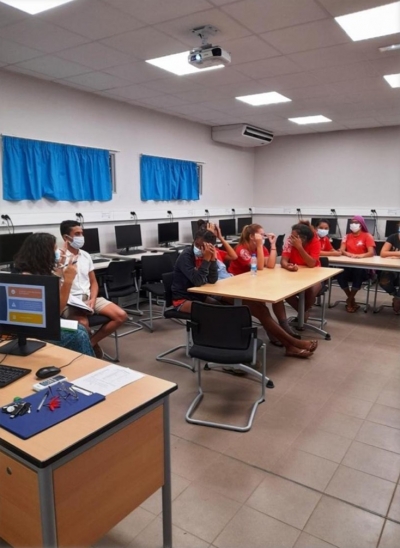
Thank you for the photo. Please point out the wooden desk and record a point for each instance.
(69, 485)
(376, 263)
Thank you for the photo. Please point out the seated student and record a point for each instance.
(322, 230)
(223, 255)
(390, 281)
(85, 287)
(302, 248)
(39, 255)
(358, 244)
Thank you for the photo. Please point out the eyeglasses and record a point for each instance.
(65, 391)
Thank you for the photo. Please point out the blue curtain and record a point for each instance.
(37, 169)
(166, 179)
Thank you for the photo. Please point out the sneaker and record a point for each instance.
(396, 305)
(98, 351)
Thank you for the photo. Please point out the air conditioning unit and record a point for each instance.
(242, 135)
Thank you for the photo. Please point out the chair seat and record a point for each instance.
(116, 293)
(98, 319)
(172, 314)
(157, 289)
(222, 355)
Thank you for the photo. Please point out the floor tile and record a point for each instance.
(152, 537)
(361, 489)
(390, 398)
(302, 391)
(348, 406)
(308, 541)
(338, 423)
(394, 510)
(188, 460)
(154, 503)
(304, 468)
(390, 536)
(323, 444)
(355, 389)
(344, 525)
(284, 500)
(202, 512)
(380, 436)
(252, 529)
(127, 529)
(382, 414)
(372, 460)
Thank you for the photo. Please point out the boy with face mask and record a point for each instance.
(86, 288)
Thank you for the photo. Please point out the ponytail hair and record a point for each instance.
(248, 230)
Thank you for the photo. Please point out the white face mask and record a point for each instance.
(77, 242)
(198, 252)
(322, 232)
(355, 227)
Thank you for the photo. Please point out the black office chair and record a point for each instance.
(224, 335)
(153, 268)
(279, 244)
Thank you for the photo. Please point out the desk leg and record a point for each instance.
(47, 510)
(166, 489)
(300, 312)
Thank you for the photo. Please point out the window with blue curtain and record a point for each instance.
(167, 179)
(33, 170)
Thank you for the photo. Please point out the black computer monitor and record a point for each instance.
(242, 222)
(10, 244)
(195, 228)
(332, 222)
(227, 227)
(168, 232)
(92, 242)
(29, 307)
(127, 236)
(392, 227)
(371, 224)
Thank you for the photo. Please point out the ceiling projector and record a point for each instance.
(208, 56)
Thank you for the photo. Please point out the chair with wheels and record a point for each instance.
(181, 317)
(224, 335)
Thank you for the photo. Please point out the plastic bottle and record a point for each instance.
(253, 264)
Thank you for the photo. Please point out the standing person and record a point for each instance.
(39, 255)
(390, 281)
(322, 229)
(86, 288)
(222, 255)
(358, 244)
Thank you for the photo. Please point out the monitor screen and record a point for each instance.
(127, 236)
(227, 227)
(242, 222)
(332, 222)
(168, 232)
(371, 223)
(10, 244)
(29, 307)
(92, 243)
(195, 228)
(392, 227)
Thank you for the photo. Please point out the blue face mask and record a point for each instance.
(322, 232)
(198, 252)
(57, 255)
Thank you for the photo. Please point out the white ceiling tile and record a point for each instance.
(154, 11)
(333, 126)
(135, 92)
(262, 16)
(92, 19)
(9, 15)
(251, 87)
(386, 65)
(27, 72)
(200, 94)
(98, 80)
(11, 52)
(145, 43)
(218, 77)
(137, 72)
(73, 85)
(228, 28)
(289, 81)
(176, 84)
(38, 34)
(222, 2)
(249, 48)
(197, 110)
(53, 66)
(361, 123)
(321, 90)
(318, 34)
(331, 56)
(344, 73)
(268, 67)
(163, 101)
(340, 7)
(95, 56)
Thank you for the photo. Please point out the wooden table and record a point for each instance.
(69, 485)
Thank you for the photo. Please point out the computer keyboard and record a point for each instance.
(177, 248)
(103, 260)
(9, 374)
(132, 252)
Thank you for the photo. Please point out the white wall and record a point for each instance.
(37, 109)
(352, 171)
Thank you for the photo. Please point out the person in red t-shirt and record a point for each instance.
(358, 244)
(302, 248)
(322, 230)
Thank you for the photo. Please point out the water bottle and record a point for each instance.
(253, 264)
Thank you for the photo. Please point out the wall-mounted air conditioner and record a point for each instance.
(242, 135)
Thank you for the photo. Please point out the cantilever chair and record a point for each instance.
(153, 268)
(224, 335)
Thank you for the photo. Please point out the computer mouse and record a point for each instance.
(154, 251)
(49, 371)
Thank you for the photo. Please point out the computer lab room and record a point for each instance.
(200, 273)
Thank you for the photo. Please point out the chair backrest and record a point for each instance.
(167, 279)
(378, 246)
(324, 261)
(217, 326)
(173, 255)
(153, 267)
(336, 243)
(279, 244)
(120, 274)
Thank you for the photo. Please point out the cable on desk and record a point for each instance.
(69, 363)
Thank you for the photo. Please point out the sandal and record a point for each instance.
(302, 355)
(313, 346)
(351, 308)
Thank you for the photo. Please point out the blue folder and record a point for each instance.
(32, 423)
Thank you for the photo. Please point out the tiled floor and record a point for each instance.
(321, 465)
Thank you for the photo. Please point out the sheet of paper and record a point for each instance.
(76, 301)
(108, 379)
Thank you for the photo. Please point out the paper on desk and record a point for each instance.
(108, 379)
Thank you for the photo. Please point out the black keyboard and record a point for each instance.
(97, 261)
(178, 248)
(132, 252)
(9, 374)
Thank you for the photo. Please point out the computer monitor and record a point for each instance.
(242, 222)
(29, 307)
(332, 222)
(195, 228)
(127, 236)
(168, 232)
(10, 244)
(227, 227)
(371, 223)
(92, 242)
(392, 227)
